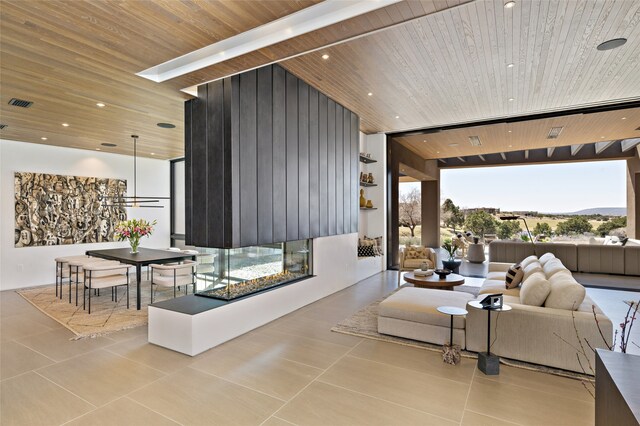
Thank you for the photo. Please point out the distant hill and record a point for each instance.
(605, 211)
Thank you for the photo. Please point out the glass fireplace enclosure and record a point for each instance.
(228, 274)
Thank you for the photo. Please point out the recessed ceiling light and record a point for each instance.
(601, 137)
(325, 56)
(166, 125)
(437, 152)
(424, 140)
(65, 124)
(510, 146)
(509, 4)
(509, 65)
(97, 149)
(453, 144)
(511, 99)
(509, 131)
(110, 145)
(397, 116)
(43, 138)
(153, 153)
(100, 105)
(612, 44)
(624, 118)
(369, 94)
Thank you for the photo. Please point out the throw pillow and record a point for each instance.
(553, 267)
(528, 260)
(566, 293)
(534, 290)
(365, 251)
(530, 269)
(546, 257)
(514, 276)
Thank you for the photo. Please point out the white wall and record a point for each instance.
(374, 223)
(335, 267)
(31, 266)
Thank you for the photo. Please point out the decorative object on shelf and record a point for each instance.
(54, 210)
(366, 158)
(362, 177)
(363, 201)
(134, 201)
(133, 230)
(369, 204)
(424, 266)
(442, 273)
(370, 178)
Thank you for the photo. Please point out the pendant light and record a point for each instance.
(135, 201)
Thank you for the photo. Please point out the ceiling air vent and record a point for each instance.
(20, 103)
(554, 132)
(474, 140)
(2, 126)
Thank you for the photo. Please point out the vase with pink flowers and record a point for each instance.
(133, 230)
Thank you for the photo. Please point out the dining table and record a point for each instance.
(144, 257)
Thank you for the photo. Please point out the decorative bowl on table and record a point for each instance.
(442, 273)
(423, 273)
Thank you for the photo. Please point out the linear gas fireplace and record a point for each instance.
(229, 274)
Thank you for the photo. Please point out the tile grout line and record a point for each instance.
(411, 370)
(309, 384)
(38, 352)
(281, 419)
(237, 384)
(387, 401)
(466, 401)
(65, 389)
(540, 390)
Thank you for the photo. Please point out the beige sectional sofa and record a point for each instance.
(539, 334)
(549, 311)
(591, 258)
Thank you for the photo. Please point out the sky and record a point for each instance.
(547, 188)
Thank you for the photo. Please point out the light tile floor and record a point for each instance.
(291, 371)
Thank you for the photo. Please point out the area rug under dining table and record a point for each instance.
(106, 316)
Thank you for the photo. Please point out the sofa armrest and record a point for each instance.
(541, 335)
(499, 266)
(433, 257)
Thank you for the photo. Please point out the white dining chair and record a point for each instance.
(103, 275)
(174, 275)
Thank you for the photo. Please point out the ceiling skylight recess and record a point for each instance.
(312, 18)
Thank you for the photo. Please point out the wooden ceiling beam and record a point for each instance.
(576, 148)
(628, 144)
(601, 146)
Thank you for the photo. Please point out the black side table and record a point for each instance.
(489, 363)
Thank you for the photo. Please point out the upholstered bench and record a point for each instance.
(412, 313)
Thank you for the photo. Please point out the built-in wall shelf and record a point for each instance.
(367, 160)
(367, 184)
(365, 208)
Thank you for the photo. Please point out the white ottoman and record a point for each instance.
(412, 313)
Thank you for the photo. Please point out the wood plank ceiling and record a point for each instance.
(66, 56)
(452, 67)
(433, 69)
(507, 137)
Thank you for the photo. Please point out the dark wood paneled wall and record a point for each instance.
(268, 159)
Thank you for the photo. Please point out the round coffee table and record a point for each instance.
(434, 281)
